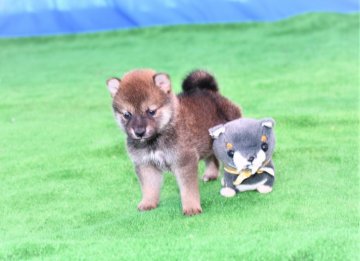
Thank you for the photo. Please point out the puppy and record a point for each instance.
(168, 132)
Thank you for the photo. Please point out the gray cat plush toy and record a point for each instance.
(245, 147)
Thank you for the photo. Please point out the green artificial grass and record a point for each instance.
(67, 186)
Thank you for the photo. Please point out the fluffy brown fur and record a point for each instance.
(168, 132)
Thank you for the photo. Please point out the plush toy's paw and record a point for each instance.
(227, 192)
(263, 189)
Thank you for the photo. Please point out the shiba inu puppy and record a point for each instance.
(168, 132)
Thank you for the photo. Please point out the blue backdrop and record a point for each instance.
(47, 17)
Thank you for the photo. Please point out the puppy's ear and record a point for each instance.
(113, 85)
(216, 131)
(268, 122)
(162, 80)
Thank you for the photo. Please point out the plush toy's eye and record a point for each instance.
(230, 153)
(264, 146)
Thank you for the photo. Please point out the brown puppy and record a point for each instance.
(168, 132)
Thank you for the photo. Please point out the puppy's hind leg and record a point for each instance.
(212, 169)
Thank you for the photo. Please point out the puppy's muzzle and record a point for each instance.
(140, 132)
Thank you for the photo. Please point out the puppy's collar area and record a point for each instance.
(242, 175)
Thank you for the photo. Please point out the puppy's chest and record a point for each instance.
(159, 158)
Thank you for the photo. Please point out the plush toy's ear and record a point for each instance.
(162, 80)
(268, 122)
(113, 85)
(216, 131)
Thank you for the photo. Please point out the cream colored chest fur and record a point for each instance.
(159, 158)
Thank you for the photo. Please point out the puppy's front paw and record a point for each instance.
(263, 189)
(192, 210)
(227, 192)
(146, 205)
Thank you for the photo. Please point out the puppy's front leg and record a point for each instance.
(186, 175)
(150, 180)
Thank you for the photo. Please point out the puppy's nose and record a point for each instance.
(140, 132)
(251, 159)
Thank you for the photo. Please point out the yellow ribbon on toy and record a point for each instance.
(244, 174)
(231, 170)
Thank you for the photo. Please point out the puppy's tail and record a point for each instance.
(199, 79)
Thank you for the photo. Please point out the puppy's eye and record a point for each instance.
(127, 115)
(151, 112)
(264, 146)
(230, 153)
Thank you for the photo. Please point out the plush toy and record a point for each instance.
(245, 147)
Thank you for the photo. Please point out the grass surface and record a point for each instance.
(68, 189)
